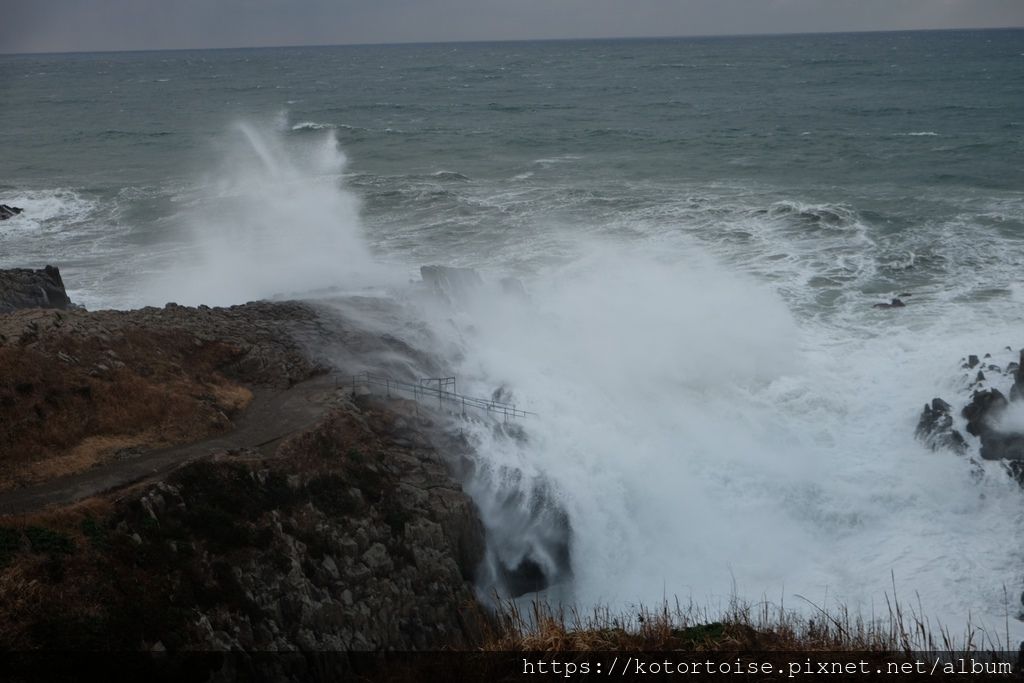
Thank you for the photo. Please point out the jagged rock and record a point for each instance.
(982, 414)
(972, 361)
(7, 211)
(1001, 446)
(984, 408)
(26, 288)
(896, 303)
(935, 428)
(1017, 390)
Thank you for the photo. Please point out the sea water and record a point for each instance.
(702, 227)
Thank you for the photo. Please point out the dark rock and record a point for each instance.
(999, 446)
(26, 288)
(1016, 470)
(8, 211)
(896, 303)
(985, 406)
(982, 412)
(527, 577)
(972, 361)
(935, 428)
(1017, 390)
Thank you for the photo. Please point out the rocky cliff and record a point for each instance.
(25, 288)
(344, 529)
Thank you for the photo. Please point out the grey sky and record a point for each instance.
(89, 25)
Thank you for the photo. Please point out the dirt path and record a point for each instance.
(270, 417)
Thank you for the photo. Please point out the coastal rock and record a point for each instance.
(1017, 390)
(984, 408)
(7, 211)
(896, 303)
(984, 412)
(26, 288)
(935, 428)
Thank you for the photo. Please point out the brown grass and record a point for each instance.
(91, 451)
(742, 626)
(68, 403)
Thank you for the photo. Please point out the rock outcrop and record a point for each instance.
(351, 534)
(983, 413)
(26, 288)
(935, 428)
(8, 211)
(354, 537)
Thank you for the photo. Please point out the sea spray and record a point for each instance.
(697, 440)
(275, 220)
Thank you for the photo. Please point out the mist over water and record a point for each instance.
(718, 404)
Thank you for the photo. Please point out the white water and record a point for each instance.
(277, 222)
(699, 438)
(697, 432)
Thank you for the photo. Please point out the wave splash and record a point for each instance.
(276, 221)
(695, 439)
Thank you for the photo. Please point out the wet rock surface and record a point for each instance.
(985, 414)
(27, 288)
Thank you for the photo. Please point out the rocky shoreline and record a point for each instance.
(985, 413)
(351, 532)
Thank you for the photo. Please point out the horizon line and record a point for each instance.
(514, 40)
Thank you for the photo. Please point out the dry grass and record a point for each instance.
(741, 626)
(91, 451)
(231, 397)
(68, 403)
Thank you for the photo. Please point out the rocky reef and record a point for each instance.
(986, 413)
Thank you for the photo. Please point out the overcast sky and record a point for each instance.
(93, 25)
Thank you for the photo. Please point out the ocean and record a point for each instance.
(702, 226)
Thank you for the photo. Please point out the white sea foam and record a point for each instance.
(42, 207)
(313, 125)
(698, 435)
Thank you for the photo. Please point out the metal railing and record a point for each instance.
(440, 388)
